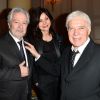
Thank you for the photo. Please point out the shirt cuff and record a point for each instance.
(37, 58)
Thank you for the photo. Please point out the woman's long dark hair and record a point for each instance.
(33, 28)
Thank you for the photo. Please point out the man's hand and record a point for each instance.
(24, 69)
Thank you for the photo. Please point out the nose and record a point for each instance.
(76, 31)
(44, 22)
(20, 26)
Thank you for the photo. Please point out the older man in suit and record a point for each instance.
(82, 81)
(80, 74)
(15, 71)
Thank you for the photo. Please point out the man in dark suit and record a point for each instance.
(82, 82)
(80, 76)
(15, 72)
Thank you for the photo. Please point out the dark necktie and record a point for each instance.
(21, 50)
(74, 53)
(72, 58)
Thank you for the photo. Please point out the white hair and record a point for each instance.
(17, 10)
(80, 14)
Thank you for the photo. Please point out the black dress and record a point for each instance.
(48, 88)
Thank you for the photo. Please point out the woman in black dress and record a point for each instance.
(48, 44)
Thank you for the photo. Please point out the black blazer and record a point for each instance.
(12, 85)
(83, 83)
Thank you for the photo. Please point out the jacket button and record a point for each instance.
(67, 82)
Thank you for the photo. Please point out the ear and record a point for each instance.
(89, 30)
(8, 25)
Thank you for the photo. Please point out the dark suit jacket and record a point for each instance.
(12, 85)
(83, 83)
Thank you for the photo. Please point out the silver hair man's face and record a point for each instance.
(18, 24)
(78, 31)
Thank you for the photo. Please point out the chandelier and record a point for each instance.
(52, 3)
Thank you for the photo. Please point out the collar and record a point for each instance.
(16, 39)
(82, 47)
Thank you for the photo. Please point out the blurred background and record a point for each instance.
(59, 9)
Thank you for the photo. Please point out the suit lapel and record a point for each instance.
(84, 59)
(13, 46)
(65, 63)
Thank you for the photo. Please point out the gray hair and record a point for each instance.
(17, 10)
(80, 14)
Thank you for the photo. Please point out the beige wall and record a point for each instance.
(26, 4)
(91, 7)
(3, 4)
(63, 6)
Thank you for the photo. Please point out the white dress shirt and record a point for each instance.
(80, 49)
(17, 40)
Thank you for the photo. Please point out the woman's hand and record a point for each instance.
(32, 49)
